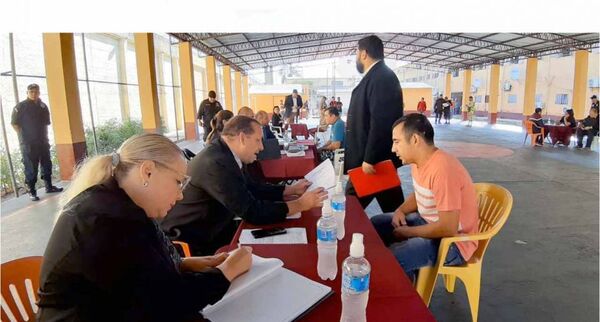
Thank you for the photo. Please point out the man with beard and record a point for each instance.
(375, 104)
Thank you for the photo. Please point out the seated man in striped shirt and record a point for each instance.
(443, 203)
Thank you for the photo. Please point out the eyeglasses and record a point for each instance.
(181, 183)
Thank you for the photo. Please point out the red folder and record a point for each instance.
(385, 177)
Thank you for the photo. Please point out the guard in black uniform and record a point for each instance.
(30, 119)
(208, 109)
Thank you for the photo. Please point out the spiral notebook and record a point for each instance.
(268, 292)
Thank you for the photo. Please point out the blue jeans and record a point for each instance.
(416, 252)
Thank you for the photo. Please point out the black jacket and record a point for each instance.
(33, 117)
(375, 105)
(207, 111)
(219, 191)
(107, 261)
(289, 104)
(276, 120)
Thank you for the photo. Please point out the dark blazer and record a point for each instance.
(219, 191)
(375, 105)
(107, 261)
(276, 120)
(289, 104)
(267, 133)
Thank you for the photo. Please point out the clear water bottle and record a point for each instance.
(338, 204)
(356, 273)
(327, 244)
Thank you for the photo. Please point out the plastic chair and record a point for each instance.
(20, 282)
(184, 246)
(278, 131)
(528, 125)
(495, 204)
(299, 129)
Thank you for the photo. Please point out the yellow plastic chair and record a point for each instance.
(495, 204)
(20, 282)
(185, 247)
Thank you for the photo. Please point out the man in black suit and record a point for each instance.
(293, 104)
(375, 105)
(220, 190)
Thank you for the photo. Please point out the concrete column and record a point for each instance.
(211, 74)
(245, 94)
(144, 54)
(188, 92)
(494, 93)
(448, 87)
(63, 94)
(238, 90)
(467, 75)
(580, 84)
(530, 84)
(227, 87)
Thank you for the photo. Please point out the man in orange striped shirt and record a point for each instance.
(444, 203)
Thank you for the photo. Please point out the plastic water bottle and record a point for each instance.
(327, 244)
(338, 204)
(356, 273)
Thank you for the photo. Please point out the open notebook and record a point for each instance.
(267, 292)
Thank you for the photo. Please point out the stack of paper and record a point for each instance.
(267, 292)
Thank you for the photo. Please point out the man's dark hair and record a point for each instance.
(239, 124)
(470, 96)
(295, 91)
(275, 107)
(372, 45)
(538, 110)
(212, 94)
(33, 86)
(418, 124)
(333, 111)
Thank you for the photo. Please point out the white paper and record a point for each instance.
(292, 236)
(322, 176)
(300, 137)
(260, 269)
(294, 216)
(266, 293)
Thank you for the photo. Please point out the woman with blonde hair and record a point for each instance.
(217, 124)
(107, 259)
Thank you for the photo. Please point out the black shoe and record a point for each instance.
(52, 189)
(34, 197)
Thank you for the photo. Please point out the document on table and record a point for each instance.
(267, 292)
(294, 216)
(322, 176)
(292, 236)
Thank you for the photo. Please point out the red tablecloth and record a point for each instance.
(288, 168)
(560, 133)
(392, 296)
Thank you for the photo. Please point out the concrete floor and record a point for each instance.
(553, 277)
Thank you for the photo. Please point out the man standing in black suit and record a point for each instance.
(375, 105)
(208, 109)
(293, 104)
(221, 189)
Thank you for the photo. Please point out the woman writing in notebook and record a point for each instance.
(107, 260)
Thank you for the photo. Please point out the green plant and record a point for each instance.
(111, 135)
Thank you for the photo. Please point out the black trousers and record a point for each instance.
(590, 137)
(34, 155)
(389, 200)
(206, 132)
(438, 116)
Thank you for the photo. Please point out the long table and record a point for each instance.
(288, 168)
(392, 296)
